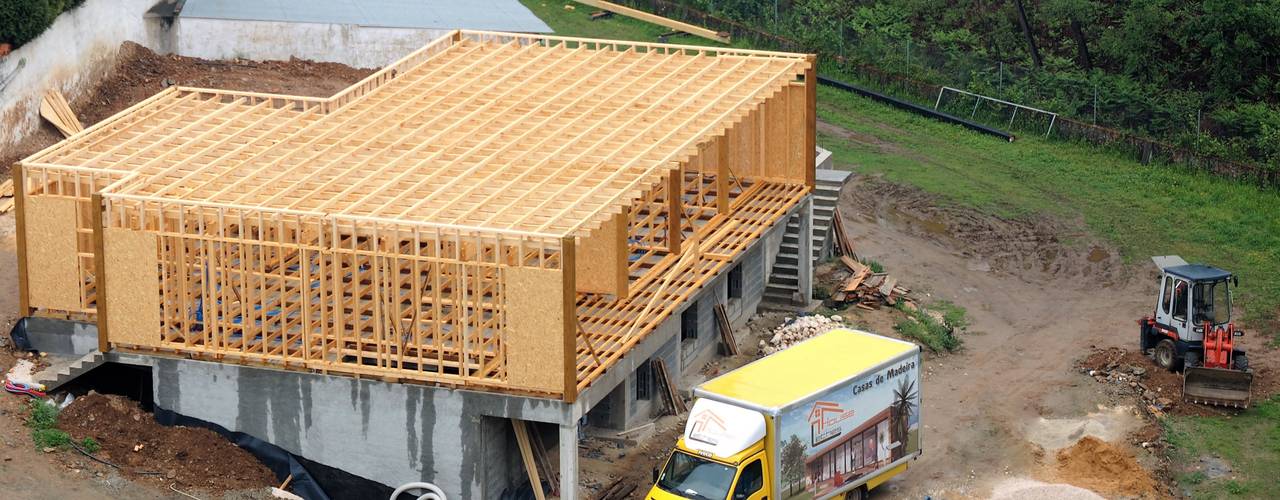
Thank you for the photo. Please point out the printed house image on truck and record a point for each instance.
(841, 437)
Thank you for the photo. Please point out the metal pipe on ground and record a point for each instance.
(914, 108)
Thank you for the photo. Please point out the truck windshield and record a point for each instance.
(695, 477)
(1212, 302)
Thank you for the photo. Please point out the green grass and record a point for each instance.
(1143, 209)
(42, 417)
(1250, 444)
(937, 334)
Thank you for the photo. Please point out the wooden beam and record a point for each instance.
(658, 20)
(526, 456)
(675, 211)
(20, 219)
(811, 119)
(100, 268)
(568, 266)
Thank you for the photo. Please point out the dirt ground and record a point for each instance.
(1014, 414)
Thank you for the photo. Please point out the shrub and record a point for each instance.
(23, 20)
(936, 332)
(90, 445)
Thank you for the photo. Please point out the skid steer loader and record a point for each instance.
(1192, 329)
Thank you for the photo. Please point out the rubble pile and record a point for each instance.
(1159, 390)
(798, 329)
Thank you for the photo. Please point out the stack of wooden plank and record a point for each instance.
(617, 490)
(841, 243)
(6, 196)
(54, 107)
(668, 388)
(866, 289)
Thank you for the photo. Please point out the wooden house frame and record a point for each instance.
(495, 211)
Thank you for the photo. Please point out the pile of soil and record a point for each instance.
(140, 73)
(1152, 384)
(192, 457)
(1099, 466)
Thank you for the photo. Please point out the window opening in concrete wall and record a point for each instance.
(735, 282)
(689, 323)
(644, 381)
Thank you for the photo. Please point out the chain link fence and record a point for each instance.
(1081, 108)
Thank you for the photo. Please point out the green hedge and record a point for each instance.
(23, 20)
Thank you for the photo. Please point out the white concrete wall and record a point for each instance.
(71, 56)
(359, 46)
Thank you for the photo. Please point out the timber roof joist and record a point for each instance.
(478, 132)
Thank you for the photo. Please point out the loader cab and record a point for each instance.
(1192, 295)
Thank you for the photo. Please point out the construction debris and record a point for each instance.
(56, 110)
(6, 196)
(841, 240)
(617, 490)
(866, 289)
(799, 329)
(668, 386)
(726, 331)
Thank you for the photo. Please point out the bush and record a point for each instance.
(23, 20)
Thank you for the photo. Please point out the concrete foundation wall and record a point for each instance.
(353, 45)
(386, 432)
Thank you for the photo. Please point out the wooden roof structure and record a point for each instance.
(479, 132)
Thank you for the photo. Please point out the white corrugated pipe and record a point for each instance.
(430, 491)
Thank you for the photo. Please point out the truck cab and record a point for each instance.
(832, 417)
(720, 456)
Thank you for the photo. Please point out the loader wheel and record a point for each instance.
(1241, 362)
(1166, 355)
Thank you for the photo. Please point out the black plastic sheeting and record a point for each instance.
(915, 108)
(19, 336)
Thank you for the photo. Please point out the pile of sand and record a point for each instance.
(1100, 466)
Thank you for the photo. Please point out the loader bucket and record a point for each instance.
(1217, 386)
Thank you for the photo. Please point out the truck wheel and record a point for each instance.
(859, 493)
(1241, 362)
(1191, 360)
(1166, 355)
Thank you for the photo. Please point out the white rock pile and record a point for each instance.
(798, 329)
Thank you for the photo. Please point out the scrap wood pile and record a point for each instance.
(6, 196)
(799, 329)
(866, 289)
(863, 288)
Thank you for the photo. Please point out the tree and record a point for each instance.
(793, 462)
(1026, 31)
(904, 405)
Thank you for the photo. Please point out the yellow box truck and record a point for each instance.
(832, 417)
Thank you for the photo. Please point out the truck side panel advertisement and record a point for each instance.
(843, 435)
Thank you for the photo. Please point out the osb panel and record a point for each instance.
(52, 268)
(798, 120)
(602, 259)
(132, 287)
(535, 328)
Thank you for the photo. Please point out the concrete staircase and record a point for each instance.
(785, 280)
(65, 369)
